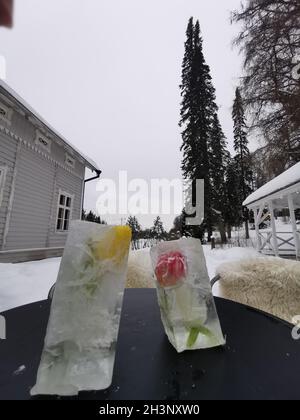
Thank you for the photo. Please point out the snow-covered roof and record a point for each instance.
(283, 182)
(89, 162)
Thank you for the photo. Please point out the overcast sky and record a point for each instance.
(106, 73)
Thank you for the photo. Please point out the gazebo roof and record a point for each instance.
(278, 189)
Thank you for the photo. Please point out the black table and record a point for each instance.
(260, 360)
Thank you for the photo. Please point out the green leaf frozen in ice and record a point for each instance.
(194, 334)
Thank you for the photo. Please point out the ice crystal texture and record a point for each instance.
(185, 296)
(79, 349)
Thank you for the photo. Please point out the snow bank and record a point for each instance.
(25, 283)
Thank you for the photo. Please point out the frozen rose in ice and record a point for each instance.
(171, 269)
(113, 246)
(185, 297)
(79, 350)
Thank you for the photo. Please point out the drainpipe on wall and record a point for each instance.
(98, 174)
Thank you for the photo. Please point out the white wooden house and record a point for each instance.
(42, 178)
(282, 192)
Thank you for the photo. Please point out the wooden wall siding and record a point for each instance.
(18, 256)
(29, 223)
(72, 185)
(8, 150)
(21, 127)
(27, 131)
(58, 154)
(39, 177)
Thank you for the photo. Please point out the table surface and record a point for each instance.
(259, 361)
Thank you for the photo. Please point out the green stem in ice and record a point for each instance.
(194, 334)
(166, 310)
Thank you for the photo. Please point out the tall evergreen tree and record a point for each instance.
(198, 108)
(177, 230)
(158, 232)
(243, 157)
(135, 227)
(187, 120)
(233, 210)
(136, 230)
(218, 159)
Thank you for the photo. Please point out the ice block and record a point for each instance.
(79, 349)
(185, 296)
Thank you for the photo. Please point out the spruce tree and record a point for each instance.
(198, 108)
(136, 229)
(243, 154)
(177, 230)
(218, 159)
(158, 232)
(187, 119)
(233, 211)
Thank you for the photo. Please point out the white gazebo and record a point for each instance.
(282, 192)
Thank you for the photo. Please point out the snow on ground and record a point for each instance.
(24, 283)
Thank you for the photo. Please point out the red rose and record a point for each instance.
(171, 269)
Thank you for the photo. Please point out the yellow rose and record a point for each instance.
(114, 246)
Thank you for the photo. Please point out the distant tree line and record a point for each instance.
(92, 217)
(142, 238)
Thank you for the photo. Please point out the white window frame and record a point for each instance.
(69, 161)
(42, 141)
(7, 114)
(3, 172)
(64, 207)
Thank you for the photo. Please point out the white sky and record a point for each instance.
(106, 74)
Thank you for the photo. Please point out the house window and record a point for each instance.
(2, 182)
(69, 161)
(5, 114)
(43, 141)
(65, 204)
